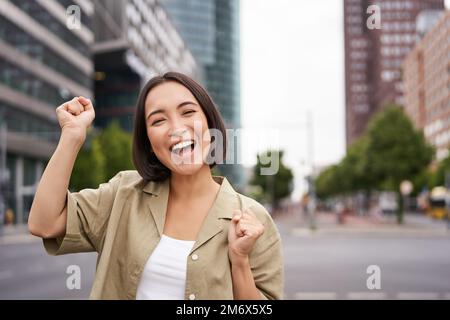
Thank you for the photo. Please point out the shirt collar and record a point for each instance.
(155, 187)
(226, 200)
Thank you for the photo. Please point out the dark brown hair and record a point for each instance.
(144, 159)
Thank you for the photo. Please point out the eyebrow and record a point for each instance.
(162, 111)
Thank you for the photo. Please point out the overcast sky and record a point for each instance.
(292, 61)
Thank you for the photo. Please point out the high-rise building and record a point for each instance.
(42, 64)
(211, 30)
(427, 85)
(373, 57)
(134, 40)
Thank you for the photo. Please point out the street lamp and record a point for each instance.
(309, 178)
(311, 206)
(406, 188)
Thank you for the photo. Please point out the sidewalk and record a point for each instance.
(326, 224)
(14, 234)
(299, 225)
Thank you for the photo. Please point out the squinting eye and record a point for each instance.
(188, 112)
(157, 122)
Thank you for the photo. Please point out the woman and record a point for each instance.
(169, 230)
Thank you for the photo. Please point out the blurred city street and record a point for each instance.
(327, 263)
(332, 105)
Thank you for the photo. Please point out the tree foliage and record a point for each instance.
(396, 151)
(277, 186)
(116, 147)
(102, 156)
(390, 150)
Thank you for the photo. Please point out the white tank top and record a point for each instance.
(164, 274)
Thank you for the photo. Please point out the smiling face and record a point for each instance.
(177, 128)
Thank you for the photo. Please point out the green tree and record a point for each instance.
(355, 169)
(350, 175)
(422, 180)
(277, 186)
(102, 156)
(115, 144)
(328, 182)
(89, 168)
(395, 151)
(438, 177)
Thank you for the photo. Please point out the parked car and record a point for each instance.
(388, 202)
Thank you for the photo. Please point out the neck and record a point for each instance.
(188, 186)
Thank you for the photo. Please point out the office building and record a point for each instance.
(42, 64)
(374, 55)
(427, 85)
(135, 40)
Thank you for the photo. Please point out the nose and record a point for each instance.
(180, 132)
(178, 128)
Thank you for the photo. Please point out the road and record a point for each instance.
(27, 272)
(333, 265)
(317, 266)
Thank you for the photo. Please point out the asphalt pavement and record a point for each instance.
(330, 262)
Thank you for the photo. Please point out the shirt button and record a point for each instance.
(194, 257)
(192, 296)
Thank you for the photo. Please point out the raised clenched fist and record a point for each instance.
(75, 116)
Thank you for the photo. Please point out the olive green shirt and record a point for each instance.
(123, 221)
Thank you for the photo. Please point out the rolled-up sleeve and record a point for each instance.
(266, 260)
(88, 212)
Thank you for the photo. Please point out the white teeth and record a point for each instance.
(181, 145)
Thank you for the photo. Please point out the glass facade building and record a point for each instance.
(211, 30)
(135, 40)
(42, 64)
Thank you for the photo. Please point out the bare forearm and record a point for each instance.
(244, 287)
(50, 198)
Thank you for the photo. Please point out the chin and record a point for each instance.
(186, 169)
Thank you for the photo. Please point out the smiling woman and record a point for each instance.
(169, 230)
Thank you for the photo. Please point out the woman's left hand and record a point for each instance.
(244, 230)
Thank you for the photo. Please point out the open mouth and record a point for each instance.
(183, 148)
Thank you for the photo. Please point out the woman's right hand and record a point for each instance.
(76, 116)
